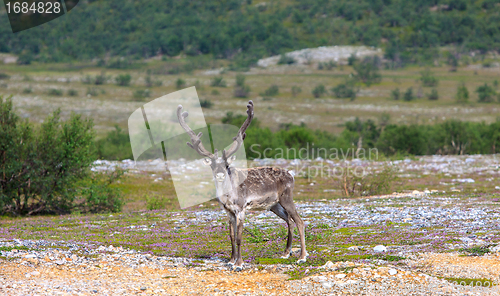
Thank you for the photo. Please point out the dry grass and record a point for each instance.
(114, 104)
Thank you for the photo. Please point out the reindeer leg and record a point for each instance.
(283, 214)
(238, 266)
(232, 227)
(286, 202)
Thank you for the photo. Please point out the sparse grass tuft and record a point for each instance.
(218, 82)
(476, 250)
(142, 93)
(55, 92)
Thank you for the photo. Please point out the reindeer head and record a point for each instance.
(220, 165)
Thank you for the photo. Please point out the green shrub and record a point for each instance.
(354, 182)
(395, 94)
(206, 104)
(25, 58)
(408, 95)
(428, 79)
(115, 146)
(345, 90)
(150, 82)
(273, 90)
(27, 90)
(100, 79)
(286, 60)
(92, 91)
(72, 93)
(352, 59)
(123, 79)
(180, 83)
(367, 71)
(296, 90)
(215, 92)
(486, 93)
(462, 95)
(241, 90)
(142, 93)
(156, 202)
(97, 194)
(44, 167)
(319, 91)
(218, 81)
(54, 92)
(433, 96)
(4, 76)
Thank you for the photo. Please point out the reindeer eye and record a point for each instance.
(207, 161)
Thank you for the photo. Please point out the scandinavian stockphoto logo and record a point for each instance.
(26, 14)
(160, 130)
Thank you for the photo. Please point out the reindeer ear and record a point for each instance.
(231, 159)
(207, 161)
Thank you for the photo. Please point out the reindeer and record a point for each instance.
(263, 188)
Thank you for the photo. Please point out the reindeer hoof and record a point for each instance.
(230, 264)
(302, 261)
(286, 256)
(238, 268)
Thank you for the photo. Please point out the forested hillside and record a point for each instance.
(247, 30)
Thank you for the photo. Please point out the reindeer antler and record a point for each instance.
(238, 140)
(195, 139)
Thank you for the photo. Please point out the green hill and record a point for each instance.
(247, 30)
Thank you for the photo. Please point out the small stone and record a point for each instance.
(327, 285)
(319, 279)
(32, 256)
(60, 262)
(74, 257)
(392, 271)
(143, 288)
(340, 275)
(329, 265)
(380, 249)
(353, 248)
(495, 249)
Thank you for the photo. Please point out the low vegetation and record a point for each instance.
(123, 79)
(46, 169)
(353, 182)
(273, 90)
